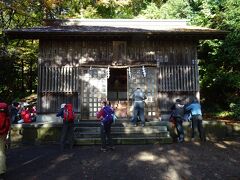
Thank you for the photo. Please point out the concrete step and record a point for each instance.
(123, 123)
(121, 134)
(146, 129)
(87, 132)
(125, 140)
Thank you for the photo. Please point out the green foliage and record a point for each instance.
(172, 9)
(235, 108)
(175, 9)
(18, 58)
(151, 12)
(219, 60)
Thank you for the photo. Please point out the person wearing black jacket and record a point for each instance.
(178, 113)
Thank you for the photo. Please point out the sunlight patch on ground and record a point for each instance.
(64, 157)
(149, 157)
(146, 156)
(171, 174)
(231, 143)
(197, 143)
(177, 171)
(173, 152)
(220, 145)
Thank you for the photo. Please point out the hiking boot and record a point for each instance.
(103, 149)
(180, 140)
(135, 125)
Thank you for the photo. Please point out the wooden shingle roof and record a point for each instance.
(115, 27)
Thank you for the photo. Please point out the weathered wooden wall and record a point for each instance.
(61, 63)
(77, 53)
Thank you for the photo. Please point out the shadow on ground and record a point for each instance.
(192, 160)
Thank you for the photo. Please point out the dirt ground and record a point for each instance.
(189, 160)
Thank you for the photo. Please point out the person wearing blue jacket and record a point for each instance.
(196, 117)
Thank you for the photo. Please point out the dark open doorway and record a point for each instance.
(117, 84)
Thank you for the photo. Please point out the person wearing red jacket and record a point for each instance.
(4, 128)
(25, 116)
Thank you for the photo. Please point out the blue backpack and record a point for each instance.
(108, 119)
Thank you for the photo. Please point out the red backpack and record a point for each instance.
(68, 114)
(4, 119)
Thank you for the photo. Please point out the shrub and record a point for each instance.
(235, 108)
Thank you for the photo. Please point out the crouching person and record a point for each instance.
(106, 116)
(67, 114)
(196, 117)
(178, 113)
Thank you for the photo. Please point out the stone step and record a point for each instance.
(125, 140)
(121, 134)
(146, 129)
(124, 123)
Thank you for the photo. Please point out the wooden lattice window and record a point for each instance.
(94, 88)
(148, 85)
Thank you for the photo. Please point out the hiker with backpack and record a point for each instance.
(105, 114)
(67, 114)
(14, 110)
(4, 128)
(177, 118)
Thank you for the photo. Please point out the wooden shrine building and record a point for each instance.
(82, 61)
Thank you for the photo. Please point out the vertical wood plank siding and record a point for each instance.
(60, 68)
(178, 78)
(58, 85)
(58, 79)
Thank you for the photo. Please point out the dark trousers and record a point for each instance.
(105, 135)
(197, 124)
(179, 128)
(138, 111)
(67, 134)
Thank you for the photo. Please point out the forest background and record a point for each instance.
(219, 60)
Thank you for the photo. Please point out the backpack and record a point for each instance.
(178, 111)
(108, 119)
(4, 119)
(68, 114)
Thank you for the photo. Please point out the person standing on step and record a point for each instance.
(196, 117)
(138, 98)
(13, 112)
(4, 128)
(177, 114)
(105, 114)
(67, 114)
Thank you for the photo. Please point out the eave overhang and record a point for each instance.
(116, 28)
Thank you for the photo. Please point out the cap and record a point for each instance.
(62, 105)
